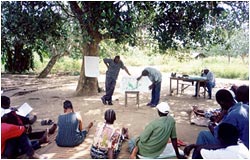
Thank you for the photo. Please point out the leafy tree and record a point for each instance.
(23, 24)
(167, 21)
(172, 23)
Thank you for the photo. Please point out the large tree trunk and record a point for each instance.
(87, 85)
(49, 66)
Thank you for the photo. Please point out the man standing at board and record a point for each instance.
(155, 77)
(114, 66)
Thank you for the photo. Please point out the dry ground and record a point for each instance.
(46, 96)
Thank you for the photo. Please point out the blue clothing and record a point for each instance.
(18, 146)
(69, 134)
(111, 76)
(109, 87)
(238, 115)
(156, 92)
(210, 84)
(156, 78)
(114, 68)
(154, 75)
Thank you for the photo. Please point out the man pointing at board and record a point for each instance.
(155, 77)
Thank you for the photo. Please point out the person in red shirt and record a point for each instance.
(14, 133)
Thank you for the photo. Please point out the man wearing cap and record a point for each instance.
(209, 84)
(153, 140)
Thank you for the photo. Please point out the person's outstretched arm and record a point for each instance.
(174, 143)
(125, 68)
(134, 153)
(79, 117)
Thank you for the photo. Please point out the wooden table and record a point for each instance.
(132, 92)
(184, 86)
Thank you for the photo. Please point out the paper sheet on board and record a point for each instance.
(131, 84)
(91, 66)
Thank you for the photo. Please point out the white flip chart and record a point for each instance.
(131, 84)
(91, 66)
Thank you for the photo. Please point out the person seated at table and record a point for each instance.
(210, 83)
(70, 127)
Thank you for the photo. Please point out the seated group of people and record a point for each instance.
(227, 137)
(16, 133)
(228, 134)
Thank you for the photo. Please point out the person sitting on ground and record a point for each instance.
(153, 140)
(70, 127)
(13, 117)
(155, 77)
(37, 138)
(242, 94)
(15, 142)
(108, 139)
(236, 114)
(234, 88)
(209, 84)
(214, 115)
(228, 148)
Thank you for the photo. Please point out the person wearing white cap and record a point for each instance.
(209, 84)
(153, 140)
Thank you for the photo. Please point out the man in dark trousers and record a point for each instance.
(114, 66)
(155, 77)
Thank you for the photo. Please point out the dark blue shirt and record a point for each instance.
(238, 115)
(114, 68)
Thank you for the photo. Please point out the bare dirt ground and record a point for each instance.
(47, 95)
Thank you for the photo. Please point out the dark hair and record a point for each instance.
(162, 114)
(224, 95)
(242, 94)
(67, 105)
(5, 102)
(144, 73)
(117, 57)
(234, 88)
(110, 116)
(228, 134)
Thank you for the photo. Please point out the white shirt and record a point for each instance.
(210, 77)
(239, 151)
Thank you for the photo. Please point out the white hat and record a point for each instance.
(163, 107)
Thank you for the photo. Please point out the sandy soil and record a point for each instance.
(46, 96)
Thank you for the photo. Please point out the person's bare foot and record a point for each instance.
(90, 125)
(45, 138)
(33, 119)
(125, 133)
(53, 129)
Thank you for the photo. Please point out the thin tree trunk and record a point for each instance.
(49, 66)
